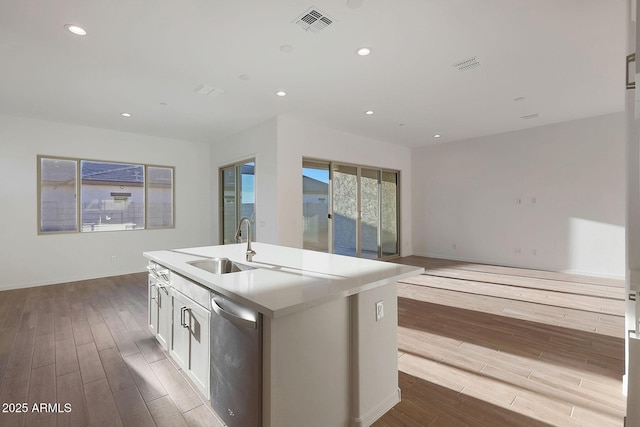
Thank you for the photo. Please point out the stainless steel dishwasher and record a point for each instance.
(236, 363)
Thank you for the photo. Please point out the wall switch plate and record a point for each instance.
(379, 310)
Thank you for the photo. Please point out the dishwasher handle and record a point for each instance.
(237, 320)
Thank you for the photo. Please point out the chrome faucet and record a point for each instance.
(250, 252)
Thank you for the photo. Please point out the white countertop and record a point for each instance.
(286, 280)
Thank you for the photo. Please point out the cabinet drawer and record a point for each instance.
(194, 291)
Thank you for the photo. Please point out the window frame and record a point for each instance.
(332, 164)
(237, 166)
(78, 190)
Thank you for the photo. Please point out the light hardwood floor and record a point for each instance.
(478, 346)
(494, 346)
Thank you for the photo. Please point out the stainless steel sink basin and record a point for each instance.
(220, 265)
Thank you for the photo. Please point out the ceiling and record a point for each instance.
(147, 57)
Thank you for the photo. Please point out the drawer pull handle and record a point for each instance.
(183, 322)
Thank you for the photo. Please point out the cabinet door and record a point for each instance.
(190, 340)
(180, 330)
(164, 316)
(199, 354)
(153, 306)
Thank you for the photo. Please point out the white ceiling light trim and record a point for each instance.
(75, 29)
(125, 114)
(369, 112)
(281, 93)
(364, 51)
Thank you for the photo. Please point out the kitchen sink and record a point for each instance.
(220, 265)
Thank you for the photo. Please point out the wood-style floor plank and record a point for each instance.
(42, 390)
(466, 359)
(90, 365)
(116, 370)
(148, 383)
(521, 354)
(133, 410)
(70, 391)
(165, 413)
(176, 385)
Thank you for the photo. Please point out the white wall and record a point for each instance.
(27, 258)
(258, 142)
(279, 145)
(298, 139)
(568, 177)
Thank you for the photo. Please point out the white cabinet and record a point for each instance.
(152, 308)
(190, 339)
(159, 311)
(178, 319)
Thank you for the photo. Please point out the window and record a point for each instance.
(113, 196)
(237, 199)
(350, 209)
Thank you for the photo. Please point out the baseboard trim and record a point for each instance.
(521, 265)
(378, 411)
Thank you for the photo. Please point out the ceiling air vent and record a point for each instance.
(467, 64)
(530, 116)
(203, 89)
(313, 20)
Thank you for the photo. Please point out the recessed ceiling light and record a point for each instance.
(76, 30)
(368, 112)
(285, 48)
(125, 114)
(243, 77)
(519, 99)
(437, 135)
(363, 51)
(281, 93)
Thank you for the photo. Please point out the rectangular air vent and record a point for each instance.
(467, 64)
(313, 20)
(203, 89)
(530, 116)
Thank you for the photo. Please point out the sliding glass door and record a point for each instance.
(316, 206)
(370, 217)
(361, 217)
(345, 210)
(389, 214)
(237, 199)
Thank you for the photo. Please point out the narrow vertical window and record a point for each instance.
(58, 186)
(159, 197)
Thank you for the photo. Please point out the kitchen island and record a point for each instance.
(328, 328)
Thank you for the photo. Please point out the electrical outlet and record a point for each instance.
(517, 251)
(379, 310)
(113, 258)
